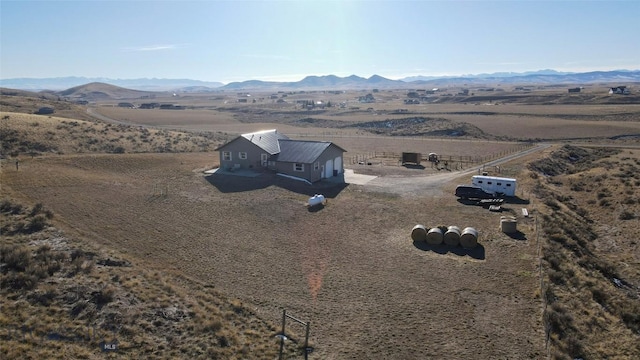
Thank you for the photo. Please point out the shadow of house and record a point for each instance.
(227, 182)
(231, 182)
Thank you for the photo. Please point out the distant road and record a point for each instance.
(92, 112)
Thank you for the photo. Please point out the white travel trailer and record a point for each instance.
(495, 185)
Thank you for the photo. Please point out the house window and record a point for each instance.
(316, 166)
(499, 184)
(226, 155)
(298, 167)
(242, 155)
(508, 184)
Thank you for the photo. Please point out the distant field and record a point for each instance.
(352, 140)
(494, 120)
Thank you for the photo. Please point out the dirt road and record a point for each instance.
(421, 185)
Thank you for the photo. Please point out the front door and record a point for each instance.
(263, 159)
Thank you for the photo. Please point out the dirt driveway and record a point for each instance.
(408, 182)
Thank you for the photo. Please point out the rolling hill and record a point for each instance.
(101, 91)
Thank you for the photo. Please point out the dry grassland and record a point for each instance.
(351, 268)
(198, 242)
(64, 296)
(27, 134)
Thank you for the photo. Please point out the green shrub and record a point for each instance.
(44, 298)
(557, 277)
(36, 223)
(605, 203)
(574, 346)
(627, 215)
(599, 296)
(15, 258)
(37, 209)
(103, 296)
(6, 206)
(552, 204)
(559, 320)
(16, 281)
(632, 319)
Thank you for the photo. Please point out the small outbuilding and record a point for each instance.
(411, 158)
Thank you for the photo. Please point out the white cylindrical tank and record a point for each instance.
(317, 199)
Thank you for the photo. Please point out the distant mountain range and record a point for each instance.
(332, 82)
(63, 83)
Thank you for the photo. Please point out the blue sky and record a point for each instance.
(229, 41)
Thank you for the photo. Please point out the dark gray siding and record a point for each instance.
(237, 146)
(333, 152)
(311, 172)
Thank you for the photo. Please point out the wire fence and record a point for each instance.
(543, 292)
(443, 160)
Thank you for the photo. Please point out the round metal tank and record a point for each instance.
(419, 233)
(469, 238)
(452, 236)
(508, 224)
(317, 200)
(434, 236)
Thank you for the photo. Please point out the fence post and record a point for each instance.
(284, 320)
(306, 341)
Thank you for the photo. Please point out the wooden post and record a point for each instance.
(306, 342)
(307, 324)
(284, 320)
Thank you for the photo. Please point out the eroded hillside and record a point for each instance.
(591, 257)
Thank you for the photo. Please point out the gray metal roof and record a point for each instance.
(301, 151)
(267, 140)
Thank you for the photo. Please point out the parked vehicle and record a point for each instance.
(472, 192)
(495, 185)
